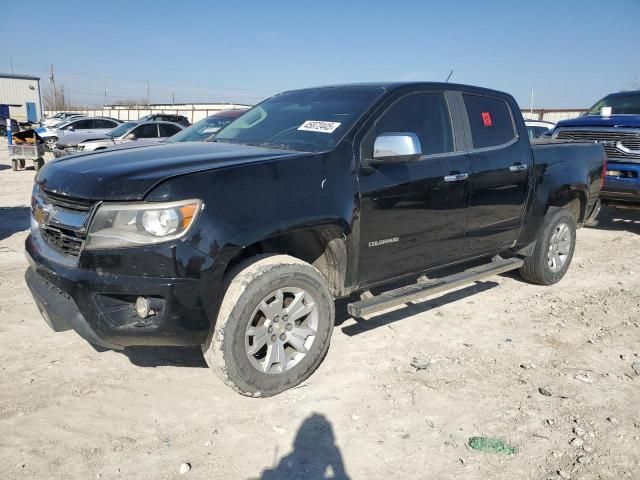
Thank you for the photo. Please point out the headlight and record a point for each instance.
(134, 224)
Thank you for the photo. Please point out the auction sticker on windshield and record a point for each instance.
(319, 126)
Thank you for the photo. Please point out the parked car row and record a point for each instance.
(147, 131)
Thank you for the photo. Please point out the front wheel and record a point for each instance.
(554, 249)
(273, 327)
(50, 143)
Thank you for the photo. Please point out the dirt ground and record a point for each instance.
(483, 353)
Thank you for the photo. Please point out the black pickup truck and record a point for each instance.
(241, 244)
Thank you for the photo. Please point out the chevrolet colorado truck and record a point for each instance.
(242, 244)
(614, 123)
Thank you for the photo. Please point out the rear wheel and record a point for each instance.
(554, 249)
(274, 325)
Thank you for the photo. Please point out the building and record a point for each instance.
(20, 97)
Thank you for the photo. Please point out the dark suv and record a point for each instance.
(166, 117)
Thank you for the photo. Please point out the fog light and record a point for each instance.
(143, 307)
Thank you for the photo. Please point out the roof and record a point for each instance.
(390, 86)
(18, 77)
(624, 93)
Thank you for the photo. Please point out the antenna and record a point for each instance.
(449, 76)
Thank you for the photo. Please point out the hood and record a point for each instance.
(73, 139)
(621, 121)
(141, 142)
(128, 174)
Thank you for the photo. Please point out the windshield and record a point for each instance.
(307, 120)
(621, 104)
(201, 130)
(121, 129)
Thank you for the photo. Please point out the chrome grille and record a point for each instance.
(62, 221)
(67, 243)
(620, 145)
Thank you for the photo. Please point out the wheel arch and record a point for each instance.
(571, 198)
(324, 247)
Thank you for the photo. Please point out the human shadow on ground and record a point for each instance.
(13, 220)
(315, 455)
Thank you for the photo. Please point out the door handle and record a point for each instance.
(518, 167)
(458, 177)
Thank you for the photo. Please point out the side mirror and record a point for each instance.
(130, 136)
(396, 148)
(71, 128)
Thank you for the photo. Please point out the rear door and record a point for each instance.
(413, 215)
(168, 130)
(148, 130)
(500, 170)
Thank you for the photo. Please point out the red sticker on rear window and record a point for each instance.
(486, 119)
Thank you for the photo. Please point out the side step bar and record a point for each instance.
(419, 290)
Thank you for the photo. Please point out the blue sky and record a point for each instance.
(570, 52)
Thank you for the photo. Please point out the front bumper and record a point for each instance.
(623, 188)
(63, 152)
(96, 296)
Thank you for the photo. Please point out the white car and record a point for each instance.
(143, 133)
(51, 135)
(537, 128)
(59, 119)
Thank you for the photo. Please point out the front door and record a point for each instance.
(413, 215)
(500, 169)
(32, 115)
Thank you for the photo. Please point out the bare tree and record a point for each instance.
(54, 100)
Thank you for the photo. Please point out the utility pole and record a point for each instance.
(11, 63)
(106, 92)
(52, 81)
(173, 99)
(68, 99)
(148, 103)
(531, 106)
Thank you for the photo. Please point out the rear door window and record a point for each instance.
(102, 123)
(149, 130)
(167, 130)
(490, 120)
(424, 114)
(82, 124)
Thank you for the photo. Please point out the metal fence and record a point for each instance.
(194, 114)
(127, 114)
(552, 114)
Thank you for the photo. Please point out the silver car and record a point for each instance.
(143, 133)
(50, 136)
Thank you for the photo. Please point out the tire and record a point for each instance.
(253, 321)
(50, 143)
(38, 163)
(554, 249)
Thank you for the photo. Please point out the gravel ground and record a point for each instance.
(548, 370)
